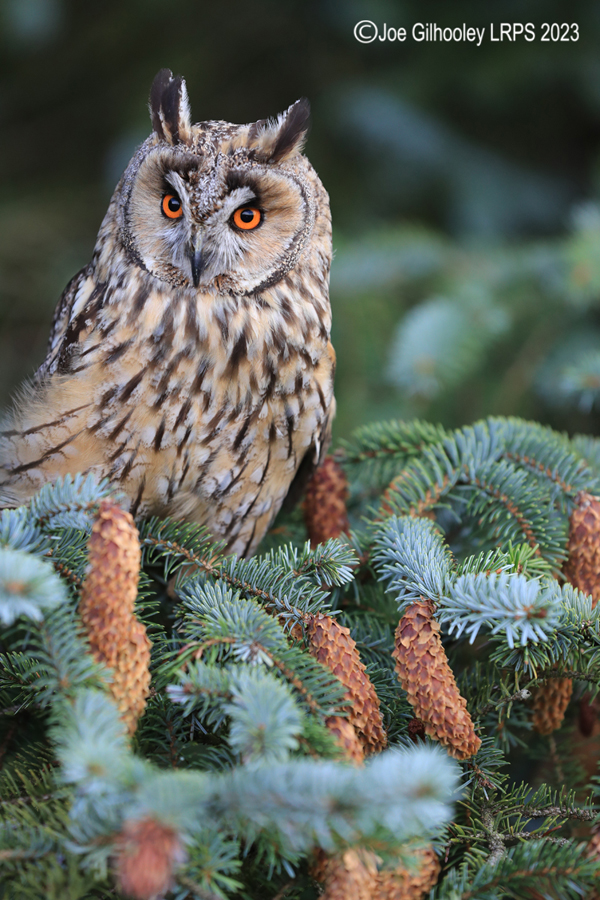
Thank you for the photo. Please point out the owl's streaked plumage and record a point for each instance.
(190, 361)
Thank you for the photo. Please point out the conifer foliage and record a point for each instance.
(336, 718)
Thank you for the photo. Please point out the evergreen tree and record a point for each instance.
(446, 630)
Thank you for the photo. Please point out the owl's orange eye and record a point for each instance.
(247, 218)
(171, 206)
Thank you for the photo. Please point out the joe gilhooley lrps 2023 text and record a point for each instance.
(367, 31)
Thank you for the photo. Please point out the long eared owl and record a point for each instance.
(190, 361)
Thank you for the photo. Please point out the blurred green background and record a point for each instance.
(464, 182)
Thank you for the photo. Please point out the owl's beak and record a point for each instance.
(195, 251)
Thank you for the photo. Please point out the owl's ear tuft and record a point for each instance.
(282, 138)
(170, 108)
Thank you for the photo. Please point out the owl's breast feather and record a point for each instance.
(203, 417)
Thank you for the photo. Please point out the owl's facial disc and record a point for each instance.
(212, 224)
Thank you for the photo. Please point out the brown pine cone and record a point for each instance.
(416, 730)
(345, 874)
(350, 875)
(582, 567)
(409, 884)
(332, 645)
(147, 852)
(588, 715)
(324, 504)
(550, 701)
(345, 735)
(582, 570)
(425, 675)
(106, 607)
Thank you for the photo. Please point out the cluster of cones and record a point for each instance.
(354, 873)
(148, 850)
(424, 673)
(421, 662)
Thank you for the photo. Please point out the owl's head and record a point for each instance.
(216, 205)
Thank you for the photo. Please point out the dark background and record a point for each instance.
(463, 182)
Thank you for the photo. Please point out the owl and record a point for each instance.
(190, 361)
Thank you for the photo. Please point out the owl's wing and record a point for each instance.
(60, 323)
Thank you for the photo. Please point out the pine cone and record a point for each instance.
(346, 876)
(425, 675)
(324, 504)
(416, 730)
(106, 607)
(345, 735)
(332, 645)
(582, 568)
(588, 715)
(405, 884)
(550, 701)
(147, 853)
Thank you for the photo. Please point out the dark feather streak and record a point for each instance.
(52, 452)
(237, 354)
(120, 426)
(184, 440)
(59, 421)
(136, 503)
(187, 405)
(159, 434)
(128, 389)
(118, 351)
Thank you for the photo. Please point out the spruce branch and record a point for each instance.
(399, 795)
(545, 453)
(265, 720)
(412, 558)
(530, 865)
(284, 580)
(523, 609)
(233, 628)
(69, 502)
(494, 837)
(18, 531)
(588, 448)
(380, 450)
(28, 587)
(521, 695)
(559, 812)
